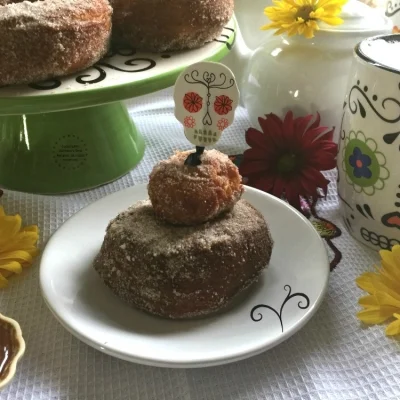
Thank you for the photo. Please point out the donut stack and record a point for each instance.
(191, 248)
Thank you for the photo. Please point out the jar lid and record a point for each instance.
(358, 17)
(381, 51)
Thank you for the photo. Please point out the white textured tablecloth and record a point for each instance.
(333, 357)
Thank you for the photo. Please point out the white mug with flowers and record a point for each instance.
(368, 173)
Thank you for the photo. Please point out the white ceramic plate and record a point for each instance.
(288, 294)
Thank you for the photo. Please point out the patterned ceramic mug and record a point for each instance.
(369, 152)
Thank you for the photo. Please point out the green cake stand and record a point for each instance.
(75, 133)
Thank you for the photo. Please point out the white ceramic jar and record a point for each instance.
(305, 75)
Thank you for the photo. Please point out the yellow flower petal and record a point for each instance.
(301, 16)
(22, 240)
(30, 228)
(394, 327)
(396, 254)
(376, 315)
(332, 20)
(9, 227)
(3, 282)
(12, 266)
(383, 286)
(386, 299)
(18, 245)
(388, 257)
(368, 301)
(391, 270)
(20, 255)
(330, 3)
(366, 282)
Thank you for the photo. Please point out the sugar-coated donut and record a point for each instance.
(181, 271)
(187, 195)
(165, 25)
(49, 38)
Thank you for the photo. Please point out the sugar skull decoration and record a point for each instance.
(206, 96)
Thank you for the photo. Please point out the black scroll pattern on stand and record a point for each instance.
(131, 62)
(302, 304)
(392, 8)
(225, 36)
(209, 80)
(100, 67)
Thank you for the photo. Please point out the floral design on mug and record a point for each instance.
(192, 102)
(223, 105)
(364, 165)
(189, 122)
(391, 220)
(360, 163)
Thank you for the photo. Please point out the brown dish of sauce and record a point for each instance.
(8, 347)
(12, 346)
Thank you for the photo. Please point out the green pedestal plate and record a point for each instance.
(74, 133)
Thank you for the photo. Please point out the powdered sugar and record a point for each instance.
(50, 38)
(161, 25)
(183, 271)
(188, 195)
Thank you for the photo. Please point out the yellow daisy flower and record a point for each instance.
(383, 286)
(17, 245)
(300, 17)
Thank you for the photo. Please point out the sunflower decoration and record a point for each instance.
(18, 245)
(383, 287)
(301, 17)
(287, 156)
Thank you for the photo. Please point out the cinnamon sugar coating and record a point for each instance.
(166, 25)
(186, 195)
(50, 38)
(181, 271)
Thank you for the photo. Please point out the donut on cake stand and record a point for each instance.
(75, 133)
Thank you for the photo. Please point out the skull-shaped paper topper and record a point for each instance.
(206, 96)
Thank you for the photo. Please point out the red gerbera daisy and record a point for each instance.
(192, 102)
(222, 105)
(287, 157)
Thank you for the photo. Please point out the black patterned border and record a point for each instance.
(98, 72)
(227, 37)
